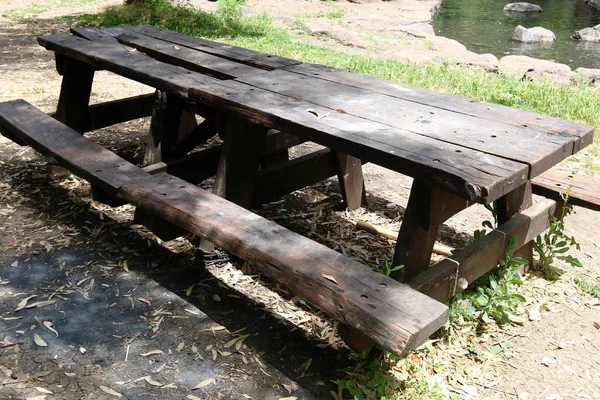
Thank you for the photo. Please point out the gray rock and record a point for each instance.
(533, 35)
(594, 4)
(522, 8)
(588, 34)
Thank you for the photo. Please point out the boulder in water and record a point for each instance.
(533, 35)
(588, 34)
(522, 8)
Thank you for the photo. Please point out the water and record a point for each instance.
(483, 27)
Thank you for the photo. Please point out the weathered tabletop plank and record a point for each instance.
(474, 175)
(185, 57)
(238, 54)
(528, 145)
(461, 105)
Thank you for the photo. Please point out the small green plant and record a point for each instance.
(387, 268)
(491, 297)
(591, 288)
(555, 244)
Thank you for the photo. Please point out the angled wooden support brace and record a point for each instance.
(452, 275)
(428, 208)
(352, 183)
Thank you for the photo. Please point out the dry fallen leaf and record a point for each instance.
(110, 391)
(43, 390)
(216, 297)
(152, 382)
(188, 291)
(50, 326)
(39, 341)
(151, 352)
(82, 350)
(234, 340)
(597, 325)
(42, 397)
(143, 300)
(192, 397)
(204, 383)
(288, 398)
(41, 304)
(180, 347)
(547, 361)
(329, 278)
(23, 303)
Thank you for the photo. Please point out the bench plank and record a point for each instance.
(462, 105)
(387, 311)
(582, 192)
(74, 152)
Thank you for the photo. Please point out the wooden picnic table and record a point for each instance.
(458, 151)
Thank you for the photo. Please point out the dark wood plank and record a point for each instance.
(279, 180)
(67, 147)
(238, 54)
(132, 65)
(427, 209)
(350, 177)
(185, 57)
(75, 91)
(461, 105)
(452, 275)
(390, 313)
(468, 173)
(94, 34)
(114, 112)
(197, 136)
(582, 192)
(524, 144)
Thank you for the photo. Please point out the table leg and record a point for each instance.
(164, 127)
(75, 92)
(351, 180)
(510, 205)
(428, 208)
(241, 155)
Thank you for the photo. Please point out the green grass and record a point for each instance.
(590, 287)
(566, 102)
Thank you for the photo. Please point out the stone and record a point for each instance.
(593, 3)
(588, 34)
(523, 67)
(418, 30)
(533, 35)
(523, 8)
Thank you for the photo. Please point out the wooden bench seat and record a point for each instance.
(392, 314)
(582, 192)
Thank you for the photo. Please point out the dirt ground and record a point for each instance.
(119, 311)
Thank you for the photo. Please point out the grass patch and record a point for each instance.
(590, 287)
(228, 25)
